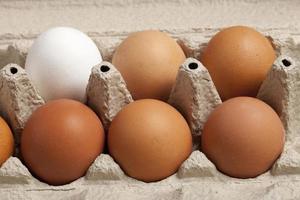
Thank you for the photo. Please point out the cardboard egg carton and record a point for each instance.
(195, 96)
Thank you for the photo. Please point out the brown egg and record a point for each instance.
(243, 137)
(148, 62)
(149, 139)
(6, 141)
(238, 59)
(61, 140)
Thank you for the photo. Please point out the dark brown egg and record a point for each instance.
(243, 137)
(149, 139)
(61, 140)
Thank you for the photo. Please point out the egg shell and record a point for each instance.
(60, 61)
(238, 59)
(149, 62)
(6, 141)
(243, 137)
(61, 140)
(149, 139)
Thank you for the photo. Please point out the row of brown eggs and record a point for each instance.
(150, 139)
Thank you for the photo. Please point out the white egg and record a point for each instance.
(59, 63)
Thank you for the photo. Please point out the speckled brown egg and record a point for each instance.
(148, 62)
(61, 140)
(238, 59)
(243, 137)
(149, 139)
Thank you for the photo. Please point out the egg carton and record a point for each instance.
(195, 96)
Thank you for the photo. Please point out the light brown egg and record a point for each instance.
(148, 62)
(149, 139)
(238, 59)
(61, 140)
(6, 141)
(243, 137)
